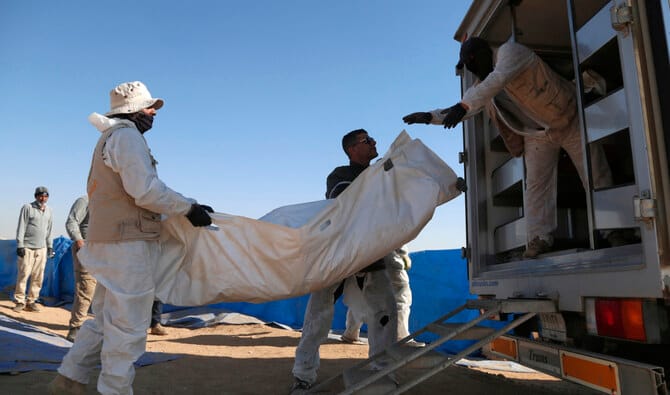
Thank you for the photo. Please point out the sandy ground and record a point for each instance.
(257, 359)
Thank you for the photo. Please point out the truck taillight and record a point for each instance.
(619, 318)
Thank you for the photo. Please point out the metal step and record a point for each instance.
(377, 372)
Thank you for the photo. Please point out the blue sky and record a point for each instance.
(257, 94)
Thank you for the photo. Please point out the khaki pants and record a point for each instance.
(541, 159)
(84, 288)
(31, 265)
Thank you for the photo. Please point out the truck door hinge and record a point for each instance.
(621, 17)
(462, 157)
(645, 207)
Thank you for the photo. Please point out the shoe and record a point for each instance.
(536, 247)
(19, 307)
(158, 330)
(415, 344)
(62, 385)
(71, 334)
(299, 387)
(33, 307)
(347, 339)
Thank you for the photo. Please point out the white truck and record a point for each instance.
(609, 271)
(596, 309)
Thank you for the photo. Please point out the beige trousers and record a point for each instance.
(541, 158)
(31, 265)
(84, 288)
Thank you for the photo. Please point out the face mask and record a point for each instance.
(481, 63)
(142, 121)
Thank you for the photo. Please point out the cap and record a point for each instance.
(41, 191)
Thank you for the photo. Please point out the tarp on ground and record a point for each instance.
(26, 347)
(438, 280)
(409, 170)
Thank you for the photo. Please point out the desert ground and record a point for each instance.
(257, 359)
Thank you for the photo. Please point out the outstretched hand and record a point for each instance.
(418, 117)
(454, 115)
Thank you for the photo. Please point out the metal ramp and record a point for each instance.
(364, 378)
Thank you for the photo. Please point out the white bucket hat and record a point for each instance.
(131, 97)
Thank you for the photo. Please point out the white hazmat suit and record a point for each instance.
(124, 270)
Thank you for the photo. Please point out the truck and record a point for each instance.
(608, 273)
(595, 309)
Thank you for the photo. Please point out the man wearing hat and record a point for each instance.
(33, 245)
(126, 200)
(535, 112)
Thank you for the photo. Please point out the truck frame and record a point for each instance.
(609, 272)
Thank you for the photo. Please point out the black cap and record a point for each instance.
(41, 191)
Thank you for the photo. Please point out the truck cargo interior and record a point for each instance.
(584, 219)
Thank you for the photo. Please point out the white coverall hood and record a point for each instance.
(103, 123)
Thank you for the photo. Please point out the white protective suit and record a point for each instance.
(373, 304)
(368, 296)
(402, 293)
(539, 105)
(124, 271)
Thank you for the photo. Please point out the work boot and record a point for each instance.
(299, 387)
(62, 385)
(72, 333)
(33, 307)
(536, 247)
(158, 330)
(19, 307)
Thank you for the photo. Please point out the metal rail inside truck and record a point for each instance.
(609, 269)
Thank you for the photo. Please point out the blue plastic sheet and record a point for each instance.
(26, 347)
(438, 280)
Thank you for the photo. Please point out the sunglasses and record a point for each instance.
(368, 140)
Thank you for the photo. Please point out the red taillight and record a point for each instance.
(620, 318)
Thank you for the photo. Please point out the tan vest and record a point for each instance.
(113, 214)
(544, 96)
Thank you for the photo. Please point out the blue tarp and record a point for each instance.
(438, 280)
(26, 347)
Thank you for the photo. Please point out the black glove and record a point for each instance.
(198, 215)
(454, 115)
(207, 208)
(21, 252)
(418, 117)
(50, 253)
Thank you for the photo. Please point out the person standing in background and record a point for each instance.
(84, 283)
(156, 328)
(33, 245)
